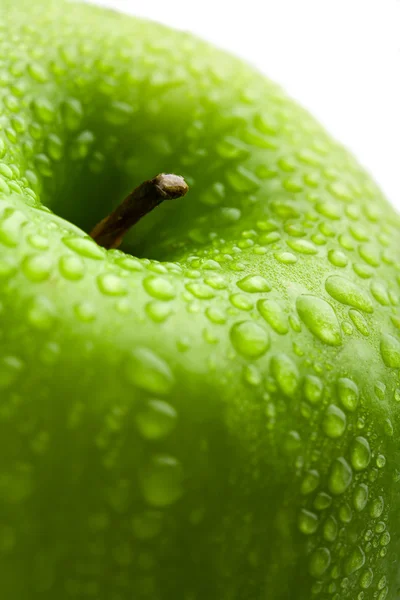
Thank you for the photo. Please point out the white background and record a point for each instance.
(339, 58)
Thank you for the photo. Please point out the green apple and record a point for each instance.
(210, 412)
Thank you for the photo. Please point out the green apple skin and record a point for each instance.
(210, 412)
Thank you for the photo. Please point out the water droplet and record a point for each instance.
(345, 291)
(158, 311)
(241, 301)
(340, 190)
(359, 321)
(41, 313)
(286, 258)
(376, 508)
(390, 351)
(348, 394)
(340, 476)
(85, 311)
(111, 284)
(313, 388)
(345, 513)
(161, 481)
(156, 420)
(11, 223)
(360, 497)
(334, 422)
(360, 454)
(370, 253)
(149, 372)
(214, 195)
(85, 246)
(302, 246)
(322, 501)
(320, 318)
(366, 579)
(285, 373)
(273, 313)
(217, 282)
(307, 522)
(252, 375)
(380, 293)
(37, 267)
(43, 110)
(329, 209)
(71, 267)
(118, 113)
(200, 291)
(254, 284)
(81, 145)
(72, 113)
(249, 339)
(319, 562)
(330, 529)
(380, 461)
(242, 180)
(55, 147)
(159, 287)
(10, 370)
(37, 72)
(355, 561)
(147, 525)
(310, 482)
(338, 258)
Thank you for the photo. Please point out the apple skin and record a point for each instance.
(212, 411)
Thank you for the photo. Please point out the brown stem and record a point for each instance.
(110, 231)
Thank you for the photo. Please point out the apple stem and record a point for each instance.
(110, 231)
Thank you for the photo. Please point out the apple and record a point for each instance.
(209, 411)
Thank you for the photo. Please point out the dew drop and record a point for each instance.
(334, 422)
(11, 368)
(359, 321)
(149, 372)
(254, 284)
(307, 522)
(319, 562)
(241, 301)
(71, 267)
(41, 313)
(310, 482)
(158, 311)
(360, 454)
(72, 113)
(11, 223)
(366, 579)
(111, 284)
(285, 373)
(313, 388)
(200, 291)
(345, 291)
(338, 258)
(330, 529)
(302, 246)
(320, 318)
(43, 110)
(274, 315)
(249, 339)
(286, 258)
(340, 476)
(37, 267)
(156, 420)
(390, 351)
(118, 113)
(322, 501)
(348, 394)
(159, 287)
(360, 497)
(376, 508)
(161, 481)
(85, 311)
(85, 246)
(355, 561)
